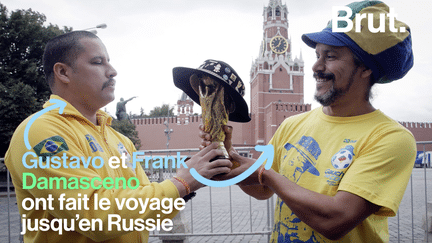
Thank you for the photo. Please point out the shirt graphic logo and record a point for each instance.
(50, 146)
(94, 145)
(343, 158)
(308, 151)
(301, 158)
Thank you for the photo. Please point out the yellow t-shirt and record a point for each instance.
(370, 155)
(72, 135)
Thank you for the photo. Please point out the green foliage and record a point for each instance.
(128, 129)
(159, 111)
(164, 111)
(23, 89)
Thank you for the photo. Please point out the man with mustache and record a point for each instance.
(341, 169)
(79, 73)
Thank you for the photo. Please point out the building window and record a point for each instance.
(269, 13)
(278, 12)
(296, 67)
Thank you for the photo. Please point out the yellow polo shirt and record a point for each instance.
(83, 144)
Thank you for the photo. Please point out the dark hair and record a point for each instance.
(65, 49)
(372, 81)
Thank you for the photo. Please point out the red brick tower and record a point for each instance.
(185, 108)
(276, 78)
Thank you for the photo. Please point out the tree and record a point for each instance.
(163, 111)
(23, 89)
(128, 129)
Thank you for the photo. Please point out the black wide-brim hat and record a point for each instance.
(226, 75)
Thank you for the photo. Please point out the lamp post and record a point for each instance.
(167, 132)
(179, 225)
(99, 26)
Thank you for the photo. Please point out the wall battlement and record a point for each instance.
(425, 125)
(291, 107)
(180, 120)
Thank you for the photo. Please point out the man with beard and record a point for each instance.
(80, 76)
(341, 169)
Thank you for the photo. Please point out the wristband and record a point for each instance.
(260, 173)
(182, 181)
(189, 196)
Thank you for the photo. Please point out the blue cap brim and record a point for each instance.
(323, 37)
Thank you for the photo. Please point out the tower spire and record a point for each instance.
(273, 3)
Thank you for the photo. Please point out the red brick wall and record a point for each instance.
(185, 135)
(422, 131)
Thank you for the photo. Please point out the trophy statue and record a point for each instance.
(219, 90)
(215, 108)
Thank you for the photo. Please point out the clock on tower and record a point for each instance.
(279, 45)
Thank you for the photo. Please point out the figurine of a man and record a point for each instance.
(121, 109)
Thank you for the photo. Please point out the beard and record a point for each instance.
(333, 94)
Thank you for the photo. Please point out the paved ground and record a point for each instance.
(409, 221)
(225, 221)
(200, 219)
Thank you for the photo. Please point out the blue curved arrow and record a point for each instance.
(268, 154)
(57, 104)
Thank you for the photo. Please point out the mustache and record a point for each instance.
(108, 83)
(322, 75)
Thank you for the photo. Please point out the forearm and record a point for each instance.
(258, 191)
(332, 216)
